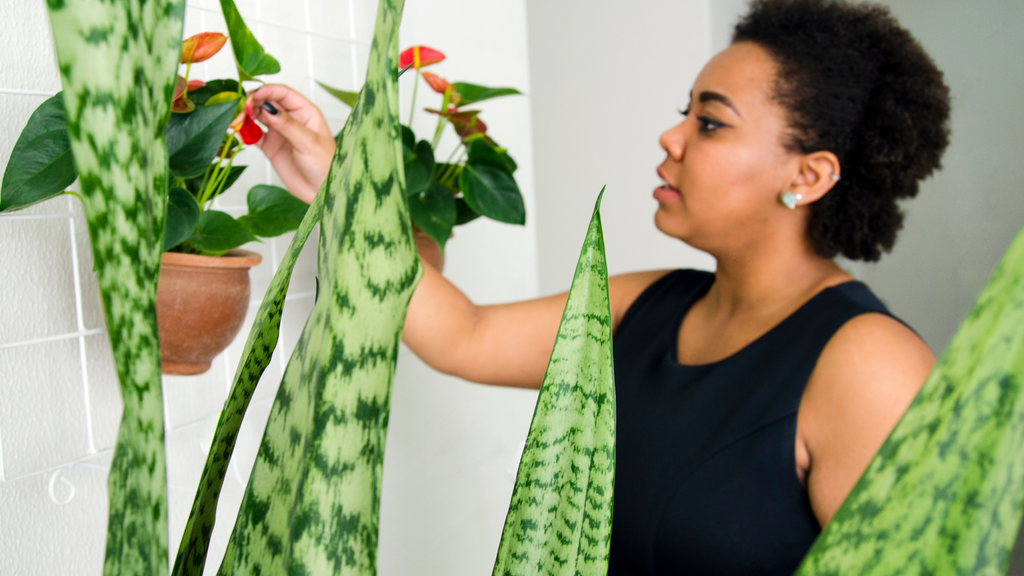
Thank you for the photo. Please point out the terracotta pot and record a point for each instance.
(201, 302)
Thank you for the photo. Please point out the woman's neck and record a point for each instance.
(769, 278)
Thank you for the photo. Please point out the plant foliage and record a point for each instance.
(117, 63)
(312, 502)
(945, 492)
(559, 521)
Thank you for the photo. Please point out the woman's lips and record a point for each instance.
(666, 194)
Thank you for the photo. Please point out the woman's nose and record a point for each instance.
(673, 141)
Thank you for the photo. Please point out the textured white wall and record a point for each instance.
(451, 446)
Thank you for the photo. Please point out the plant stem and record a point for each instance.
(452, 169)
(220, 176)
(75, 194)
(441, 119)
(415, 86)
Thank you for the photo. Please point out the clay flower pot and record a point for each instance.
(201, 302)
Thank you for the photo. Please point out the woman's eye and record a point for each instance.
(705, 124)
(686, 112)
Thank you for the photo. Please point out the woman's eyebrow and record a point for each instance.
(708, 96)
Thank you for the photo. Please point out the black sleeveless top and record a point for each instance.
(705, 473)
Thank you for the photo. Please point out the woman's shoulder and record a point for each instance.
(865, 378)
(625, 289)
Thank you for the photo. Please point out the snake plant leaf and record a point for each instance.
(472, 93)
(492, 192)
(41, 165)
(559, 520)
(194, 138)
(272, 211)
(433, 211)
(370, 266)
(945, 492)
(195, 541)
(118, 62)
(182, 217)
(217, 232)
(312, 502)
(346, 97)
(250, 57)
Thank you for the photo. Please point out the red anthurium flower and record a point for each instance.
(438, 84)
(201, 47)
(181, 104)
(467, 124)
(246, 126)
(195, 85)
(179, 87)
(419, 56)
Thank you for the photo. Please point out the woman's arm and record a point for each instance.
(507, 344)
(865, 379)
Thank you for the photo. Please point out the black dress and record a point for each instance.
(705, 475)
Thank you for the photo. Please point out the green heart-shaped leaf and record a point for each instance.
(272, 211)
(250, 57)
(481, 153)
(433, 211)
(419, 168)
(193, 139)
(472, 93)
(182, 216)
(41, 165)
(492, 192)
(463, 213)
(218, 232)
(408, 137)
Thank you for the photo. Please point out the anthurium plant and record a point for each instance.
(477, 179)
(211, 122)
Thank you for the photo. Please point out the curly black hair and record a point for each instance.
(857, 84)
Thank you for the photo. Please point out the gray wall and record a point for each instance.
(607, 77)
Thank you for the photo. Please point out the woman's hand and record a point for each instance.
(298, 142)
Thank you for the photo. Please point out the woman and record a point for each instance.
(749, 400)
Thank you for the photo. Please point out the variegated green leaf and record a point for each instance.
(259, 347)
(117, 62)
(559, 521)
(944, 494)
(312, 499)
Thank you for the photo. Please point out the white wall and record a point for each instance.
(452, 445)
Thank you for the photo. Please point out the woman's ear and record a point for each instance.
(819, 172)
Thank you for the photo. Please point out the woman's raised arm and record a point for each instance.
(505, 344)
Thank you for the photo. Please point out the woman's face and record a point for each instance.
(725, 166)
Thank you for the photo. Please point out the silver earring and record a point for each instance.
(835, 177)
(790, 199)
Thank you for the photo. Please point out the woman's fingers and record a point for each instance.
(284, 99)
(296, 133)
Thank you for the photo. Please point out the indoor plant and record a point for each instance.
(477, 177)
(204, 282)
